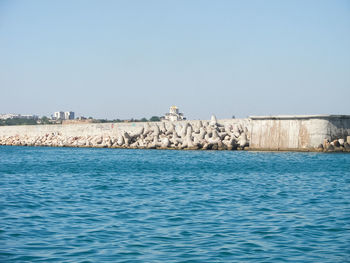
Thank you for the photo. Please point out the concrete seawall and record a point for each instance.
(276, 133)
(299, 133)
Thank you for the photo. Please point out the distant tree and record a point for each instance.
(154, 118)
(143, 119)
(18, 121)
(90, 118)
(44, 120)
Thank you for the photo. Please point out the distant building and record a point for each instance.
(60, 115)
(8, 116)
(173, 115)
(18, 116)
(69, 115)
(29, 117)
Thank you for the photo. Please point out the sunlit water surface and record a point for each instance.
(109, 205)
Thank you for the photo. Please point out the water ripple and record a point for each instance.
(109, 205)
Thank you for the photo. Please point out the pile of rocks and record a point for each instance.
(201, 135)
(339, 145)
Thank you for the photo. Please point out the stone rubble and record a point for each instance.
(338, 145)
(202, 135)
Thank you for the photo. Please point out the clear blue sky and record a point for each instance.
(124, 59)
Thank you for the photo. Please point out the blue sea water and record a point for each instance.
(116, 205)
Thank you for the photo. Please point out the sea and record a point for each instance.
(126, 205)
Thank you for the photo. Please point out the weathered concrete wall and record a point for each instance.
(338, 127)
(296, 132)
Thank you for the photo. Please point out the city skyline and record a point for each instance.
(125, 60)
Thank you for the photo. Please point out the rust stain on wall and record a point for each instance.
(272, 134)
(304, 136)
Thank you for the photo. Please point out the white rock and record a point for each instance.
(213, 120)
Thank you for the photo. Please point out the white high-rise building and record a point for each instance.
(58, 115)
(69, 115)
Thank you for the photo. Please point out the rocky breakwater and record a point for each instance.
(338, 145)
(206, 135)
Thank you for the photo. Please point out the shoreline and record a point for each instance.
(246, 149)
